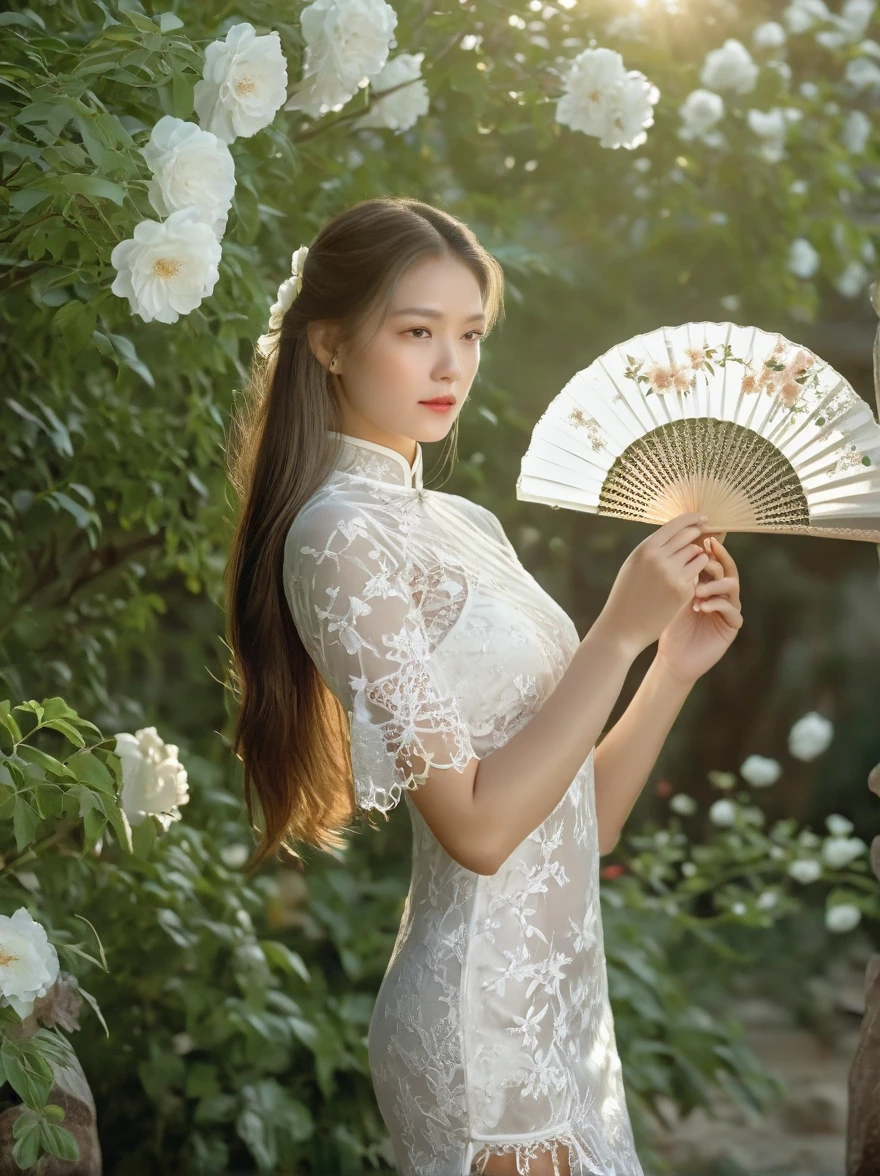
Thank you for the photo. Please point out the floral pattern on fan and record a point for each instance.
(781, 375)
(745, 426)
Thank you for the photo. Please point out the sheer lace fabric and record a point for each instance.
(492, 1031)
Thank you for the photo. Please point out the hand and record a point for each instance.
(655, 581)
(694, 641)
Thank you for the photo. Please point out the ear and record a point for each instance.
(322, 340)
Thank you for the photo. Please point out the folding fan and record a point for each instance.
(753, 431)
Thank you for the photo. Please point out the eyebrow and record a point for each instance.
(429, 313)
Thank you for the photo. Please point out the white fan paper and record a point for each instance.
(752, 430)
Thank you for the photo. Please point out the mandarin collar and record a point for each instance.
(368, 459)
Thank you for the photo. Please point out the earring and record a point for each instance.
(333, 361)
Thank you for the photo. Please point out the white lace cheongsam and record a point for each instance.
(492, 1031)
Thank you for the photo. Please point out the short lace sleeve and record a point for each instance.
(346, 579)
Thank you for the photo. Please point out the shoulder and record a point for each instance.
(485, 519)
(342, 518)
(479, 514)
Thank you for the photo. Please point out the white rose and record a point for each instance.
(760, 771)
(191, 167)
(769, 35)
(810, 736)
(843, 916)
(165, 270)
(805, 870)
(802, 15)
(347, 43)
(700, 110)
(683, 804)
(803, 259)
(862, 73)
(723, 812)
(28, 961)
(771, 128)
(782, 68)
(840, 851)
(603, 99)
(400, 110)
(244, 83)
(589, 85)
(730, 68)
(852, 280)
(630, 112)
(154, 782)
(838, 826)
(850, 26)
(234, 856)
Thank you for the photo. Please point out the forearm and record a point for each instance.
(519, 785)
(623, 760)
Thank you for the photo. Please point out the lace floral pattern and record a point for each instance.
(492, 1031)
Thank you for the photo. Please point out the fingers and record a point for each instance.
(725, 608)
(678, 532)
(713, 568)
(693, 533)
(723, 555)
(726, 586)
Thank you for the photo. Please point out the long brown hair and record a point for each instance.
(291, 732)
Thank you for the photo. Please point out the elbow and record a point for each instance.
(606, 846)
(481, 863)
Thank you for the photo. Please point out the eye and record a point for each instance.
(479, 334)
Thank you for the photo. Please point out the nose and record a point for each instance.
(449, 365)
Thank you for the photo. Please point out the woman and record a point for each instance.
(365, 606)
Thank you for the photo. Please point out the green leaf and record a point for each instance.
(93, 187)
(26, 18)
(281, 956)
(24, 199)
(26, 1132)
(93, 828)
(67, 729)
(25, 822)
(88, 769)
(58, 1141)
(182, 87)
(96, 1009)
(33, 755)
(75, 321)
(29, 1074)
(125, 350)
(135, 14)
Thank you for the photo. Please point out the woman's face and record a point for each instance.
(428, 346)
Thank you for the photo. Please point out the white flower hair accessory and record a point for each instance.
(287, 292)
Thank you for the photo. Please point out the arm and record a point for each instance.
(519, 785)
(625, 757)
